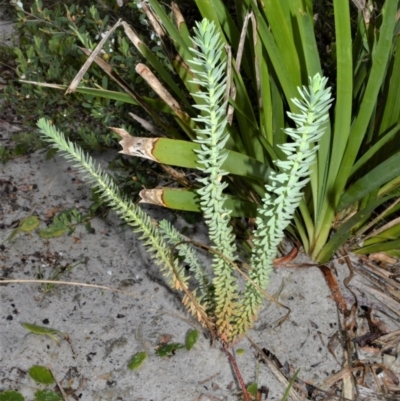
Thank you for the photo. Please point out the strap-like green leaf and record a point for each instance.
(106, 94)
(380, 175)
(344, 232)
(183, 154)
(378, 70)
(188, 200)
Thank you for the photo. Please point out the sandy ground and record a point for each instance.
(106, 327)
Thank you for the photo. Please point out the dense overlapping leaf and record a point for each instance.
(273, 48)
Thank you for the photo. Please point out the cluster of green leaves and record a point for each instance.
(355, 172)
(56, 274)
(227, 311)
(274, 49)
(63, 222)
(50, 36)
(66, 221)
(48, 51)
(22, 143)
(44, 376)
(41, 375)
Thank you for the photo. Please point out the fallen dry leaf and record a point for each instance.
(382, 257)
(51, 212)
(76, 240)
(287, 258)
(25, 188)
(334, 287)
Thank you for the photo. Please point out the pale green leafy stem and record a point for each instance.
(211, 77)
(157, 241)
(277, 211)
(129, 211)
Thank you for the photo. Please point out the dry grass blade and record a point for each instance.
(108, 70)
(75, 82)
(64, 394)
(177, 15)
(288, 257)
(366, 8)
(125, 86)
(385, 299)
(380, 278)
(385, 227)
(389, 336)
(73, 283)
(154, 22)
(147, 125)
(346, 335)
(130, 33)
(157, 86)
(239, 57)
(177, 175)
(376, 220)
(152, 196)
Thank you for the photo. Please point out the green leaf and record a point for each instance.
(53, 230)
(29, 224)
(168, 349)
(191, 339)
(137, 360)
(41, 374)
(179, 42)
(11, 396)
(388, 169)
(280, 24)
(44, 331)
(391, 109)
(367, 156)
(240, 351)
(385, 246)
(26, 225)
(188, 200)
(380, 57)
(47, 395)
(252, 389)
(344, 231)
(107, 94)
(183, 154)
(292, 381)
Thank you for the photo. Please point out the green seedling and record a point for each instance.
(56, 275)
(191, 339)
(168, 349)
(54, 230)
(11, 396)
(42, 395)
(26, 225)
(47, 395)
(41, 375)
(252, 389)
(137, 360)
(66, 222)
(292, 380)
(240, 351)
(45, 331)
